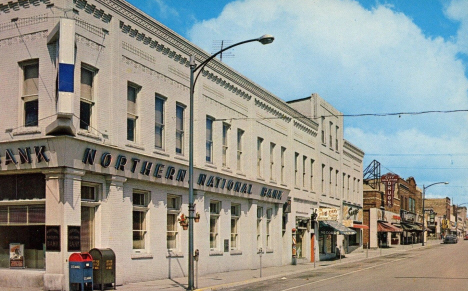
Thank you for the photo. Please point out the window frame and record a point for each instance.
(180, 133)
(87, 124)
(159, 124)
(235, 216)
(29, 99)
(225, 145)
(260, 157)
(132, 113)
(214, 216)
(209, 139)
(174, 212)
(142, 210)
(240, 135)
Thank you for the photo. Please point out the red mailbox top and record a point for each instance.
(80, 257)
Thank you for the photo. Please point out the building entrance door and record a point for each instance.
(312, 247)
(87, 228)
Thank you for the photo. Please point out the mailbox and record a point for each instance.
(80, 269)
(103, 267)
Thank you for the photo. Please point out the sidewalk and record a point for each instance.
(219, 281)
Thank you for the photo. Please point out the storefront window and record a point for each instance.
(22, 220)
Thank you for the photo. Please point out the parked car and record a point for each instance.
(450, 239)
(466, 237)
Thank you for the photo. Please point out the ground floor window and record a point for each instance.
(87, 228)
(33, 239)
(327, 243)
(300, 243)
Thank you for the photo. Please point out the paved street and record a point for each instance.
(439, 267)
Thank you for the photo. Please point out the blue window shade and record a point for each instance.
(66, 77)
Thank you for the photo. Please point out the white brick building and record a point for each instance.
(94, 137)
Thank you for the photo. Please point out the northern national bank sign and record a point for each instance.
(161, 170)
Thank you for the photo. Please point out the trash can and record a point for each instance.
(103, 267)
(80, 270)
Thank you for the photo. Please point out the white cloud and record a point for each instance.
(360, 61)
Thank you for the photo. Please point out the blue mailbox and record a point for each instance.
(81, 269)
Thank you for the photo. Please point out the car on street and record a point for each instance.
(450, 239)
(466, 237)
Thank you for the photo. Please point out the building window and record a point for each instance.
(235, 215)
(323, 179)
(132, 114)
(180, 129)
(336, 138)
(336, 183)
(159, 122)
(331, 137)
(140, 207)
(259, 227)
(322, 126)
(345, 196)
(304, 179)
(330, 180)
(31, 93)
(209, 139)
(215, 210)
(269, 214)
(296, 169)
(89, 193)
(240, 134)
(283, 164)
(86, 97)
(173, 211)
(259, 157)
(225, 144)
(311, 174)
(272, 162)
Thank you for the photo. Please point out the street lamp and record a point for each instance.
(423, 198)
(265, 39)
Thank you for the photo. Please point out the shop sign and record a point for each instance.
(160, 171)
(24, 155)
(389, 181)
(16, 255)
(352, 213)
(327, 214)
(53, 238)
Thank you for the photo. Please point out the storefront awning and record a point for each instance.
(411, 227)
(362, 226)
(334, 227)
(383, 226)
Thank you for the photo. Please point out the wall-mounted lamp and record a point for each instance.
(50, 5)
(14, 19)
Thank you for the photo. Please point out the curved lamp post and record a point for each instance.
(265, 39)
(423, 211)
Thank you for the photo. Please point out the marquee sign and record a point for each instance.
(389, 181)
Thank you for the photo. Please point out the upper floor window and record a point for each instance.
(330, 132)
(283, 164)
(311, 174)
(336, 138)
(296, 169)
(159, 122)
(322, 126)
(132, 114)
(209, 139)
(86, 97)
(31, 93)
(240, 134)
(180, 128)
(259, 157)
(225, 144)
(272, 161)
(304, 177)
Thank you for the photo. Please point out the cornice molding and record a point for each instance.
(91, 9)
(352, 148)
(305, 129)
(17, 5)
(271, 110)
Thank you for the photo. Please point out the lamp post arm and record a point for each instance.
(205, 62)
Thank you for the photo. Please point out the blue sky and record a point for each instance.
(363, 57)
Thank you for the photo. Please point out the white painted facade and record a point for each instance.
(280, 155)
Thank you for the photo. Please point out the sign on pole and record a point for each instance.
(389, 181)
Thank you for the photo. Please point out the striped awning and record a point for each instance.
(334, 227)
(383, 226)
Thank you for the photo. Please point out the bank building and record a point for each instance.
(94, 153)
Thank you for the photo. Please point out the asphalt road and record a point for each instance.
(439, 267)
